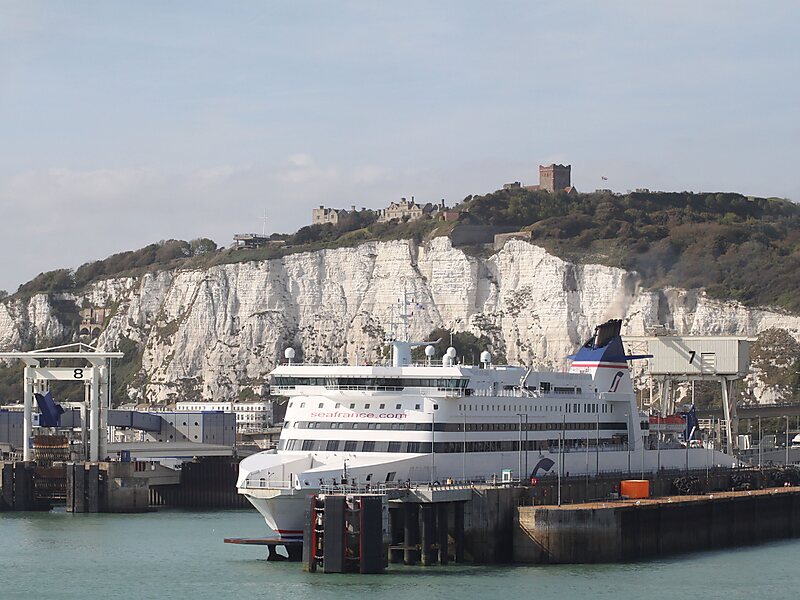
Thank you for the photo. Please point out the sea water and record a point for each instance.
(181, 554)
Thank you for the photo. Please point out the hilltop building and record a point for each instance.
(92, 320)
(323, 214)
(555, 177)
(409, 209)
(552, 178)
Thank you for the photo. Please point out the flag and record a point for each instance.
(604, 178)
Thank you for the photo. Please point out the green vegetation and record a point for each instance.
(11, 382)
(747, 249)
(467, 345)
(125, 371)
(776, 357)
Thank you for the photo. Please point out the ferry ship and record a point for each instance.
(443, 421)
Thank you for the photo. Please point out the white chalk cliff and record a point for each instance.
(211, 333)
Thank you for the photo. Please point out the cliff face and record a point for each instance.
(216, 332)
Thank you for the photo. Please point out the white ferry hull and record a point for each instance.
(284, 509)
(374, 425)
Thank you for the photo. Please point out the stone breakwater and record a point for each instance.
(212, 333)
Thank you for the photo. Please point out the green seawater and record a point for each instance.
(180, 554)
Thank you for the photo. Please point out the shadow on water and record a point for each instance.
(181, 554)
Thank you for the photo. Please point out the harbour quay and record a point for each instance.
(119, 486)
(506, 524)
(608, 532)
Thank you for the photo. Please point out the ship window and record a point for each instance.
(320, 405)
(398, 406)
(369, 446)
(545, 387)
(287, 424)
(416, 407)
(352, 406)
(302, 405)
(390, 476)
(394, 446)
(307, 445)
(332, 445)
(350, 445)
(366, 405)
(382, 406)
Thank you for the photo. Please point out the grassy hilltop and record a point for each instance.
(737, 247)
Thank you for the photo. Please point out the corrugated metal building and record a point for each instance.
(699, 356)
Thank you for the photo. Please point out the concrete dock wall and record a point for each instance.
(634, 530)
(489, 523)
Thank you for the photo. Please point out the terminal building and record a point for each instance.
(251, 417)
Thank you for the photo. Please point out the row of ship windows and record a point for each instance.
(589, 407)
(455, 427)
(398, 384)
(444, 447)
(366, 406)
(387, 383)
(570, 408)
(576, 407)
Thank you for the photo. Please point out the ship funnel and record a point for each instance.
(606, 332)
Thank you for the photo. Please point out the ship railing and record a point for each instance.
(448, 392)
(262, 483)
(490, 393)
(351, 488)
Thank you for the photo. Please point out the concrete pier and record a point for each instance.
(106, 487)
(18, 481)
(633, 530)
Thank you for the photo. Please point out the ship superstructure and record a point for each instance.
(442, 421)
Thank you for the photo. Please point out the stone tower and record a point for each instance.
(554, 177)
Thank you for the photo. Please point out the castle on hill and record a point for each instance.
(552, 178)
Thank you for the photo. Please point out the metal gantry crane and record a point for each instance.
(91, 366)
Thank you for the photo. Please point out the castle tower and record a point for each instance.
(554, 177)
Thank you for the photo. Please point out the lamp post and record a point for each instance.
(561, 440)
(628, 441)
(519, 446)
(525, 446)
(560, 463)
(464, 453)
(760, 445)
(597, 446)
(658, 445)
(643, 457)
(786, 462)
(434, 406)
(587, 462)
(527, 472)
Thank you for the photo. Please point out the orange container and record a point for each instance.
(635, 488)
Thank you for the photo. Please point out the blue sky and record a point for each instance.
(126, 123)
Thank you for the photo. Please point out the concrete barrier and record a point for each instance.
(603, 532)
